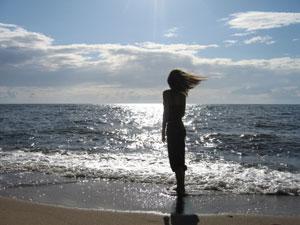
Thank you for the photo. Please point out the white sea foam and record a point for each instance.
(204, 175)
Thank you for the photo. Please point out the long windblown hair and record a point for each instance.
(181, 81)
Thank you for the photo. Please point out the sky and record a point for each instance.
(121, 51)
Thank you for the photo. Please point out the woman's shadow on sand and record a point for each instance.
(178, 217)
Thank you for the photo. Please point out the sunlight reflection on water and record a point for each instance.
(228, 148)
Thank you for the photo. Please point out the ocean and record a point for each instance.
(240, 149)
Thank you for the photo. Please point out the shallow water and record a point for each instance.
(229, 148)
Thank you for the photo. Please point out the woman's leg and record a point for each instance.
(180, 175)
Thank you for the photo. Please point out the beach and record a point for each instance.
(14, 212)
(115, 202)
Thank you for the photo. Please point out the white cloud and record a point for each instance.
(243, 34)
(24, 48)
(295, 39)
(280, 65)
(284, 65)
(15, 36)
(229, 43)
(175, 48)
(258, 20)
(260, 39)
(33, 69)
(83, 93)
(171, 33)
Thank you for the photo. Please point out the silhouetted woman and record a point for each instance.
(174, 109)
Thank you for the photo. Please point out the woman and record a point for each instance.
(174, 109)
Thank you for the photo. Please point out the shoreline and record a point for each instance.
(23, 212)
(145, 197)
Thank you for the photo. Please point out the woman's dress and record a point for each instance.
(175, 132)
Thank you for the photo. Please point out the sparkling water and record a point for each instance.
(229, 148)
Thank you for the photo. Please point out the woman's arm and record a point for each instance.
(165, 113)
(163, 131)
(183, 105)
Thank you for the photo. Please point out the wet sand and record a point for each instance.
(116, 202)
(146, 197)
(19, 212)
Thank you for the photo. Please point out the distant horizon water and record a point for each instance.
(140, 103)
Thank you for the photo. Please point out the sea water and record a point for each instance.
(229, 148)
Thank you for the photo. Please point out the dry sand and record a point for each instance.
(16, 212)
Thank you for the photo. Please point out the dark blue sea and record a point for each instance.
(229, 148)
